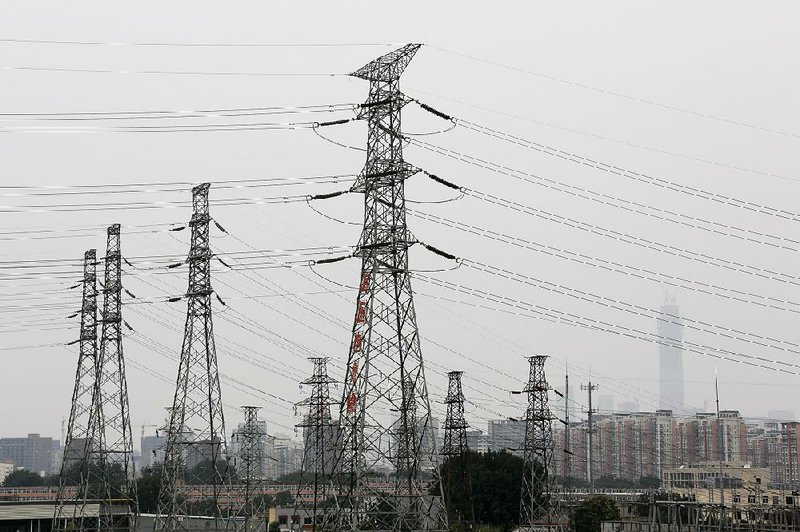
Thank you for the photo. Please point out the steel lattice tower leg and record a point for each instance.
(320, 434)
(385, 416)
(195, 452)
(536, 507)
(116, 455)
(455, 450)
(250, 465)
(79, 475)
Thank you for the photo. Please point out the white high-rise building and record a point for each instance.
(670, 358)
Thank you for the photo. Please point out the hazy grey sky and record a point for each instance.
(703, 94)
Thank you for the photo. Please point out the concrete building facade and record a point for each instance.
(644, 444)
(34, 453)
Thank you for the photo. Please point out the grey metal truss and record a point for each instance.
(79, 477)
(250, 460)
(118, 486)
(537, 509)
(385, 415)
(195, 453)
(320, 438)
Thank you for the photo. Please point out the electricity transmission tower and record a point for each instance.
(536, 507)
(79, 477)
(385, 415)
(251, 440)
(455, 449)
(114, 426)
(320, 435)
(195, 453)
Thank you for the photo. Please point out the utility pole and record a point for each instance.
(590, 456)
(320, 435)
(195, 452)
(250, 466)
(455, 449)
(116, 455)
(721, 458)
(82, 435)
(567, 436)
(385, 413)
(536, 507)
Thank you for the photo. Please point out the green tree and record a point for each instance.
(264, 501)
(495, 477)
(293, 478)
(650, 483)
(23, 478)
(203, 472)
(284, 499)
(593, 511)
(147, 487)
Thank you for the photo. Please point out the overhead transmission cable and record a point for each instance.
(619, 236)
(614, 140)
(525, 309)
(664, 184)
(167, 44)
(629, 206)
(621, 95)
(713, 289)
(177, 113)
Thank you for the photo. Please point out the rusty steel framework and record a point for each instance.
(385, 414)
(537, 509)
(195, 451)
(250, 462)
(320, 436)
(82, 437)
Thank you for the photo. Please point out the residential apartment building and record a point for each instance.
(506, 435)
(644, 444)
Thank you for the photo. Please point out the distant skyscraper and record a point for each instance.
(605, 404)
(670, 358)
(152, 450)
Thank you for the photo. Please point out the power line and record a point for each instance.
(179, 113)
(730, 294)
(606, 138)
(637, 99)
(149, 186)
(157, 44)
(629, 206)
(645, 243)
(662, 183)
(171, 128)
(24, 68)
(620, 330)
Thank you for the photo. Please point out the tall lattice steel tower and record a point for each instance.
(385, 415)
(320, 436)
(250, 462)
(455, 452)
(79, 476)
(116, 452)
(195, 452)
(537, 510)
(455, 426)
